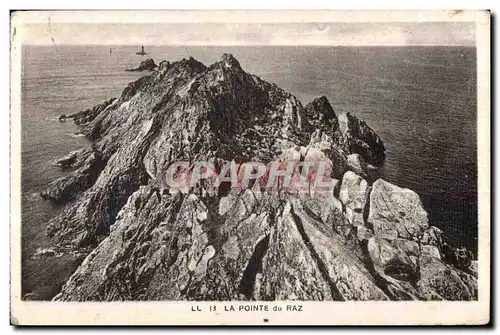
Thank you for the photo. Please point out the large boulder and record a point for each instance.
(396, 212)
(460, 258)
(430, 251)
(474, 268)
(357, 164)
(87, 164)
(441, 281)
(322, 141)
(294, 113)
(312, 172)
(411, 248)
(432, 236)
(354, 194)
(391, 261)
(86, 116)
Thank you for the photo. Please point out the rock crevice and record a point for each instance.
(336, 295)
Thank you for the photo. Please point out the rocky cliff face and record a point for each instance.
(361, 239)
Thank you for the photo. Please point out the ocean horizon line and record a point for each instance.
(254, 45)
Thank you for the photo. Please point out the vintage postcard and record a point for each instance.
(250, 168)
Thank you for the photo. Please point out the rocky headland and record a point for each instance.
(145, 65)
(363, 239)
(87, 115)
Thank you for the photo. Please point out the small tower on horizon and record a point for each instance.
(142, 52)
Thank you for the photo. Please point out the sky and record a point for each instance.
(305, 33)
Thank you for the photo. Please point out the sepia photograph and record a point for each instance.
(250, 165)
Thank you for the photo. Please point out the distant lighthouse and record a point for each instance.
(142, 52)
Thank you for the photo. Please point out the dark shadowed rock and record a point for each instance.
(87, 164)
(69, 159)
(432, 236)
(319, 113)
(391, 260)
(146, 65)
(354, 194)
(458, 257)
(361, 139)
(396, 212)
(357, 164)
(84, 117)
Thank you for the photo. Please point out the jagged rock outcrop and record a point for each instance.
(352, 240)
(361, 139)
(68, 160)
(407, 219)
(320, 113)
(354, 195)
(145, 65)
(357, 164)
(84, 117)
(87, 165)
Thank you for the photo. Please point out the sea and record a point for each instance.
(421, 100)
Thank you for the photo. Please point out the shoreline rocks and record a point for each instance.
(406, 218)
(361, 139)
(68, 160)
(145, 65)
(87, 165)
(84, 117)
